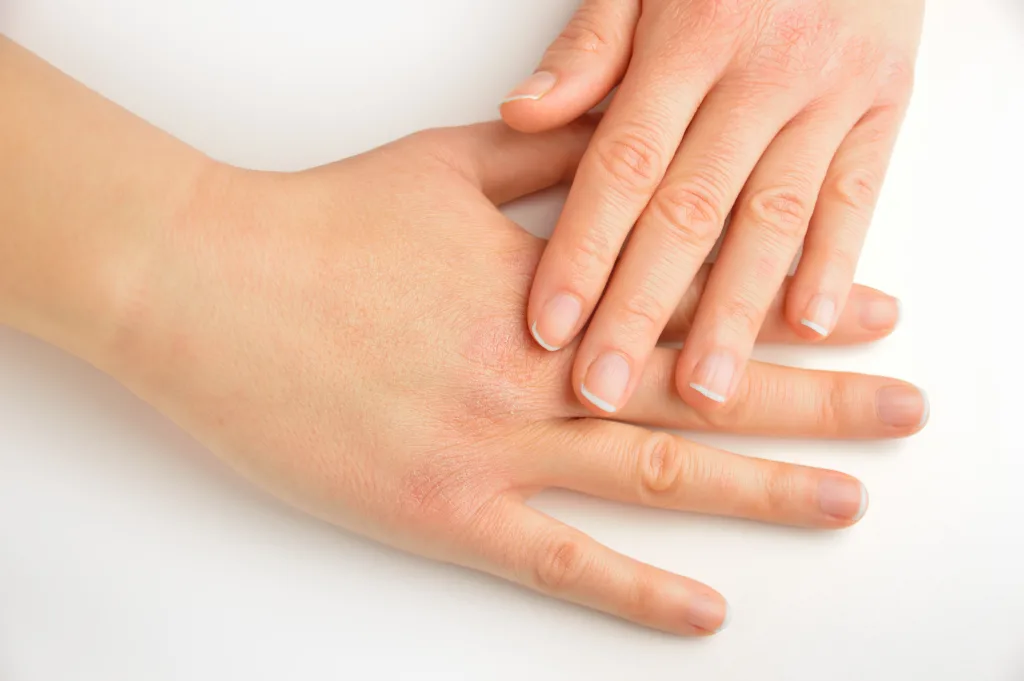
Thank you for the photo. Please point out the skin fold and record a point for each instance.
(351, 338)
(780, 113)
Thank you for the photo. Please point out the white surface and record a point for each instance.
(127, 553)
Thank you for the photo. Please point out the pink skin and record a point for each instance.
(782, 113)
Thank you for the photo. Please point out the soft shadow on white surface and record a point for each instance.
(126, 552)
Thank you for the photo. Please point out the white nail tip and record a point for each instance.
(597, 401)
(540, 341)
(863, 503)
(727, 620)
(715, 397)
(927, 409)
(519, 98)
(816, 328)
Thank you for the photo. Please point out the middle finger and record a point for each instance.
(674, 235)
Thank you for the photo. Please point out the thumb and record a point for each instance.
(506, 164)
(578, 70)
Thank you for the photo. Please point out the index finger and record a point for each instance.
(621, 169)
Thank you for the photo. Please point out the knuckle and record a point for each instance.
(585, 33)
(843, 257)
(632, 160)
(644, 598)
(741, 314)
(855, 188)
(834, 405)
(592, 253)
(781, 489)
(792, 42)
(449, 491)
(644, 314)
(781, 213)
(661, 464)
(691, 213)
(898, 76)
(560, 563)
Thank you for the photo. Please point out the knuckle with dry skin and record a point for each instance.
(781, 214)
(632, 161)
(692, 214)
(740, 314)
(835, 405)
(560, 563)
(781, 488)
(643, 315)
(661, 464)
(591, 254)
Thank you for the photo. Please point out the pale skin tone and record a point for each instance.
(304, 327)
(782, 113)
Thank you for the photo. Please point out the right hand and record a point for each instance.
(351, 338)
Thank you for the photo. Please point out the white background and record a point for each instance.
(127, 553)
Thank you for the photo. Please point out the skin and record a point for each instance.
(782, 113)
(351, 338)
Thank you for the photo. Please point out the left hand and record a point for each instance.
(790, 110)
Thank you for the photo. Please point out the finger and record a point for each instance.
(785, 402)
(634, 465)
(578, 70)
(868, 315)
(768, 225)
(840, 222)
(617, 176)
(675, 235)
(505, 164)
(543, 554)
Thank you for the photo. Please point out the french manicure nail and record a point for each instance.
(901, 406)
(606, 381)
(533, 87)
(708, 613)
(842, 497)
(557, 322)
(713, 376)
(880, 314)
(820, 315)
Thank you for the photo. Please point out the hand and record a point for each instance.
(351, 338)
(784, 112)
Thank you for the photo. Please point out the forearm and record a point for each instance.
(84, 189)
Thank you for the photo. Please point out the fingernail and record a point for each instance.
(534, 87)
(557, 322)
(820, 315)
(880, 314)
(606, 381)
(843, 498)
(713, 376)
(708, 613)
(901, 406)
